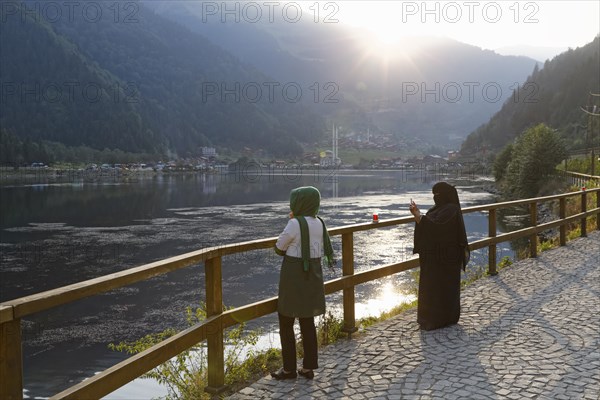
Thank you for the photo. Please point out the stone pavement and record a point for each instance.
(532, 331)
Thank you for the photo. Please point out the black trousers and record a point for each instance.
(288, 342)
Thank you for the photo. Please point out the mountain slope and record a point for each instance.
(165, 73)
(174, 85)
(552, 95)
(373, 81)
(52, 91)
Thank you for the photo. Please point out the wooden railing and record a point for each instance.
(576, 178)
(211, 329)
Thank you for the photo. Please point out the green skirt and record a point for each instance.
(301, 294)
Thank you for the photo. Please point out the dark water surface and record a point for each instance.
(54, 234)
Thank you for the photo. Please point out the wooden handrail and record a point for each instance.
(514, 203)
(580, 175)
(578, 178)
(6, 313)
(51, 298)
(212, 328)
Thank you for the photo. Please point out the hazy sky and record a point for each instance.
(487, 24)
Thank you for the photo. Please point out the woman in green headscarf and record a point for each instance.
(301, 294)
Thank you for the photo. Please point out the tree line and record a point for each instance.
(15, 151)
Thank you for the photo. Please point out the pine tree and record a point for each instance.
(535, 155)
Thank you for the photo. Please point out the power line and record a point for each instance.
(590, 113)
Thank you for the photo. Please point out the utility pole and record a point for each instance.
(335, 144)
(594, 122)
(592, 112)
(590, 131)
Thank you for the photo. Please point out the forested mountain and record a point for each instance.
(381, 86)
(143, 85)
(153, 77)
(552, 95)
(51, 90)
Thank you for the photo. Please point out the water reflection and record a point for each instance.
(71, 231)
(388, 296)
(512, 219)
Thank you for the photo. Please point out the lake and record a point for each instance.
(55, 233)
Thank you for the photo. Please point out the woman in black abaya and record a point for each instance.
(441, 241)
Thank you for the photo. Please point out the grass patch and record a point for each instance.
(477, 272)
(354, 156)
(186, 375)
(573, 229)
(368, 321)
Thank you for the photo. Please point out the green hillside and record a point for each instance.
(138, 87)
(552, 95)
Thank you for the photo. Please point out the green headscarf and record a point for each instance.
(305, 201)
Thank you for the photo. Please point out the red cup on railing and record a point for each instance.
(583, 188)
(375, 217)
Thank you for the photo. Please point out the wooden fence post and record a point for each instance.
(214, 341)
(583, 209)
(533, 238)
(348, 293)
(562, 214)
(11, 361)
(598, 214)
(492, 247)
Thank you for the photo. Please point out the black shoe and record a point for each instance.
(280, 375)
(308, 374)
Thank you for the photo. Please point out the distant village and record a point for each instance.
(210, 161)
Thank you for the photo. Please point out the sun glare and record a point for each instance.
(386, 35)
(383, 31)
(485, 24)
(387, 298)
(383, 42)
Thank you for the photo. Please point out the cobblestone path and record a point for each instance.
(532, 331)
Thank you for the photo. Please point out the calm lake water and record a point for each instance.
(58, 233)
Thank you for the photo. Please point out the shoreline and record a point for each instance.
(28, 175)
(40, 176)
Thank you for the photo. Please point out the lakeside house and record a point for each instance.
(328, 160)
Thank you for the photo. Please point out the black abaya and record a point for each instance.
(440, 240)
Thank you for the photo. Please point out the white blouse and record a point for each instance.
(289, 240)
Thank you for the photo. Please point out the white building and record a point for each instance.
(208, 152)
(329, 160)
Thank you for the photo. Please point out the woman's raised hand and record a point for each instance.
(414, 209)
